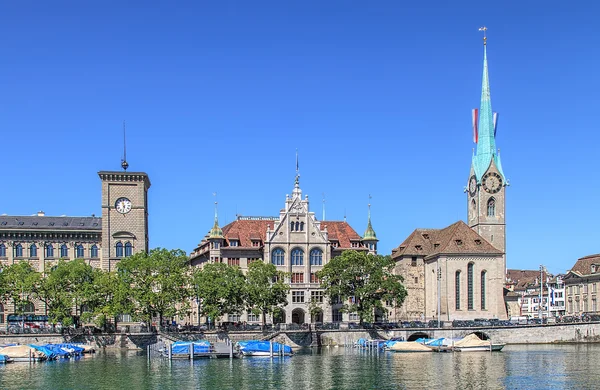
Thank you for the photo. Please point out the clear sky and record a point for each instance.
(376, 96)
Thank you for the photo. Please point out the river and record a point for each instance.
(574, 366)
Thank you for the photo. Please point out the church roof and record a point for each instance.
(583, 266)
(42, 222)
(457, 238)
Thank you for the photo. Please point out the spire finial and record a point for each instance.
(369, 233)
(216, 208)
(297, 182)
(323, 206)
(124, 163)
(216, 231)
(484, 29)
(370, 208)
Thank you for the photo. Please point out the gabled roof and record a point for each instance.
(247, 230)
(457, 238)
(341, 232)
(35, 222)
(523, 278)
(583, 266)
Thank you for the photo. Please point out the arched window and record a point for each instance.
(491, 207)
(297, 257)
(19, 250)
(32, 250)
(128, 249)
(297, 226)
(79, 251)
(457, 289)
(28, 307)
(316, 257)
(301, 226)
(94, 251)
(470, 286)
(49, 250)
(292, 226)
(2, 250)
(483, 281)
(473, 204)
(64, 251)
(119, 249)
(1, 313)
(278, 257)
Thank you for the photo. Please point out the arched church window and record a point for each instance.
(473, 204)
(64, 251)
(33, 250)
(483, 280)
(128, 249)
(18, 250)
(49, 250)
(297, 226)
(119, 249)
(301, 226)
(297, 257)
(292, 226)
(79, 251)
(491, 207)
(470, 305)
(278, 257)
(94, 251)
(457, 289)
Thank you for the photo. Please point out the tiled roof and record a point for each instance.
(523, 278)
(247, 230)
(341, 232)
(583, 266)
(35, 222)
(454, 239)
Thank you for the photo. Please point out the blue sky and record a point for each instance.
(376, 97)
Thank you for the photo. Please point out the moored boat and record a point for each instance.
(472, 343)
(5, 359)
(263, 348)
(23, 353)
(181, 349)
(409, 346)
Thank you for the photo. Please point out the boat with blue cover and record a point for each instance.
(181, 349)
(5, 359)
(263, 348)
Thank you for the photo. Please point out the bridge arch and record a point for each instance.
(417, 335)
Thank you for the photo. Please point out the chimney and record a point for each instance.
(41, 214)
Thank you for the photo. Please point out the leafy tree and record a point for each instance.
(367, 279)
(157, 282)
(265, 288)
(19, 283)
(109, 297)
(219, 287)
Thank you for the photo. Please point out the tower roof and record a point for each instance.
(486, 140)
(216, 231)
(370, 233)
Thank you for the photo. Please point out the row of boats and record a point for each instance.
(470, 343)
(35, 353)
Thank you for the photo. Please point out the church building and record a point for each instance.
(458, 272)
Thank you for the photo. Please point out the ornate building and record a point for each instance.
(297, 243)
(581, 285)
(101, 241)
(458, 272)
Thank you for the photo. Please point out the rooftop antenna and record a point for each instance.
(323, 206)
(124, 163)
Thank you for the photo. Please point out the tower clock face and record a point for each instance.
(472, 185)
(123, 205)
(492, 182)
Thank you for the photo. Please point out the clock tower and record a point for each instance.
(486, 186)
(124, 215)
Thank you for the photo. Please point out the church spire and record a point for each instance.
(370, 233)
(486, 128)
(297, 192)
(216, 231)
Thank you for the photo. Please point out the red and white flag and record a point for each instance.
(475, 121)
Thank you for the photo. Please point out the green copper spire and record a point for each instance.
(216, 231)
(370, 233)
(486, 143)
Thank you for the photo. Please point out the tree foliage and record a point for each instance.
(363, 281)
(265, 288)
(19, 283)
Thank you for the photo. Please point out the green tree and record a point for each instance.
(19, 283)
(157, 283)
(367, 278)
(109, 297)
(265, 288)
(220, 288)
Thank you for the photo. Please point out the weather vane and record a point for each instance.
(484, 29)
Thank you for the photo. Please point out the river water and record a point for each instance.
(516, 367)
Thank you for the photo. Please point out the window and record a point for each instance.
(233, 243)
(470, 286)
(94, 251)
(457, 290)
(316, 257)
(297, 257)
(594, 288)
(49, 250)
(297, 296)
(255, 243)
(336, 300)
(594, 305)
(416, 279)
(1, 313)
(277, 258)
(119, 249)
(216, 245)
(79, 251)
(413, 261)
(491, 207)
(389, 303)
(128, 249)
(483, 281)
(64, 251)
(252, 317)
(336, 315)
(354, 244)
(2, 250)
(33, 250)
(353, 317)
(233, 317)
(314, 278)
(18, 250)
(316, 296)
(233, 261)
(335, 244)
(297, 277)
(28, 308)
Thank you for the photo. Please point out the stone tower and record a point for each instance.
(124, 215)
(486, 187)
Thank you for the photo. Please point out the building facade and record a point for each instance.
(296, 243)
(534, 294)
(101, 242)
(581, 285)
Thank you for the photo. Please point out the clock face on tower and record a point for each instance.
(123, 205)
(492, 182)
(472, 185)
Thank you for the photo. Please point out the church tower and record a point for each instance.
(486, 187)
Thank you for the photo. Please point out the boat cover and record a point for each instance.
(73, 349)
(50, 354)
(263, 346)
(3, 358)
(409, 346)
(472, 341)
(58, 350)
(21, 351)
(183, 347)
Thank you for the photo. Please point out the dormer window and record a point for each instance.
(354, 244)
(255, 243)
(458, 242)
(478, 242)
(593, 268)
(233, 243)
(418, 247)
(425, 236)
(335, 244)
